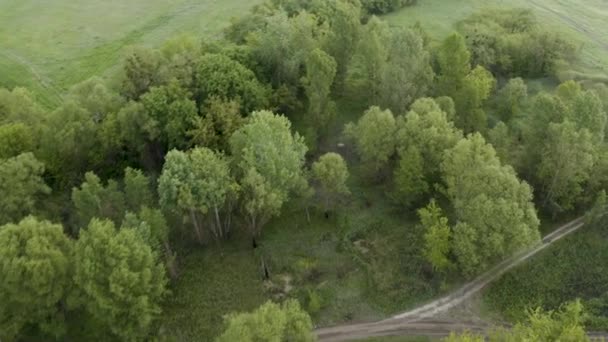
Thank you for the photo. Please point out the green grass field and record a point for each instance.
(47, 46)
(584, 21)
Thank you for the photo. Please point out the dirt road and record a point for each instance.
(418, 321)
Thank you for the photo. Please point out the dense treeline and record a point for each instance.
(197, 141)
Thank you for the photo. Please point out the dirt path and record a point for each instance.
(416, 321)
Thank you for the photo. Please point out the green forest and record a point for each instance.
(311, 165)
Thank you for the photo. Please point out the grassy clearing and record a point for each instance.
(49, 46)
(584, 21)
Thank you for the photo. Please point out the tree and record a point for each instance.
(219, 121)
(370, 60)
(469, 99)
(494, 211)
(94, 200)
(584, 108)
(410, 181)
(408, 73)
(331, 174)
(344, 26)
(436, 236)
(15, 138)
(511, 99)
(563, 325)
(170, 113)
(93, 96)
(227, 79)
(320, 73)
(268, 161)
(567, 159)
(21, 185)
(270, 322)
(137, 190)
(119, 280)
(195, 183)
(36, 266)
(427, 127)
(143, 69)
(374, 137)
(454, 61)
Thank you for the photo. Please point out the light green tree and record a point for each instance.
(93, 199)
(469, 100)
(195, 183)
(436, 236)
(268, 161)
(270, 323)
(495, 215)
(331, 173)
(568, 156)
(21, 185)
(511, 98)
(15, 138)
(120, 284)
(408, 73)
(137, 190)
(454, 61)
(36, 266)
(320, 74)
(374, 137)
(370, 59)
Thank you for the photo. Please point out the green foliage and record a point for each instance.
(494, 210)
(142, 70)
(374, 137)
(567, 159)
(385, 6)
(563, 325)
(511, 98)
(320, 73)
(137, 189)
(120, 283)
(227, 79)
(169, 113)
(36, 266)
(219, 121)
(423, 135)
(21, 185)
(454, 62)
(270, 322)
(194, 183)
(15, 138)
(436, 236)
(511, 42)
(331, 174)
(268, 161)
(94, 200)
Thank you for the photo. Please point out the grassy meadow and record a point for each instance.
(47, 46)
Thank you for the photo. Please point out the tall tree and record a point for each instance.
(493, 208)
(511, 98)
(454, 61)
(15, 138)
(36, 266)
(94, 200)
(568, 156)
(470, 98)
(270, 322)
(331, 174)
(196, 184)
(219, 121)
(320, 73)
(21, 185)
(119, 280)
(220, 76)
(436, 236)
(143, 69)
(374, 137)
(370, 60)
(268, 161)
(408, 73)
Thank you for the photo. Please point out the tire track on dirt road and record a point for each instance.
(413, 320)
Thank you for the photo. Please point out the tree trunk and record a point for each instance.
(197, 228)
(218, 223)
